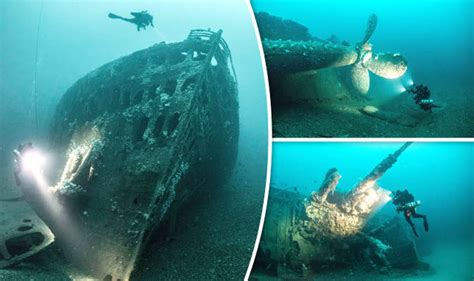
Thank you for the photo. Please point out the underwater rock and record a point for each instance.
(135, 139)
(327, 228)
(23, 233)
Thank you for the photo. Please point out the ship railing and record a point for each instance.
(208, 35)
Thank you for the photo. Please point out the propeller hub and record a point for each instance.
(365, 54)
(388, 65)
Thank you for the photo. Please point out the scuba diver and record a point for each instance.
(19, 152)
(406, 203)
(140, 19)
(422, 97)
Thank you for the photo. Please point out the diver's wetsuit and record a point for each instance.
(140, 19)
(401, 199)
(421, 95)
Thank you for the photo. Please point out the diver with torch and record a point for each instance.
(406, 203)
(421, 95)
(28, 159)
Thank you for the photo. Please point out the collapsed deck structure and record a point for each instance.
(134, 139)
(327, 229)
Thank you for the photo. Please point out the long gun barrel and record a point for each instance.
(359, 193)
(386, 164)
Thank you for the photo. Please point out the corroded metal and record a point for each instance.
(23, 233)
(327, 228)
(359, 193)
(287, 56)
(296, 56)
(134, 140)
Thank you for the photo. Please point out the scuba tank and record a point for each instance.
(410, 205)
(413, 204)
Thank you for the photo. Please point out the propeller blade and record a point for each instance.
(388, 66)
(371, 26)
(360, 78)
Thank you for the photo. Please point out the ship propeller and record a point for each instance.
(386, 65)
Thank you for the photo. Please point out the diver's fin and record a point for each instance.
(114, 16)
(360, 78)
(414, 232)
(425, 224)
(388, 65)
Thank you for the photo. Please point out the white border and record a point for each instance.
(368, 140)
(313, 140)
(270, 135)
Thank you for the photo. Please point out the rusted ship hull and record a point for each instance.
(134, 140)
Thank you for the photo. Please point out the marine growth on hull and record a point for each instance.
(135, 139)
(330, 229)
(321, 87)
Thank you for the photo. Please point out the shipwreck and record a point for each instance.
(289, 48)
(133, 141)
(328, 229)
(329, 77)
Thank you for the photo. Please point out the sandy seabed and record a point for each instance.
(309, 119)
(214, 240)
(449, 262)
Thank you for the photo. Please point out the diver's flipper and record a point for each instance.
(414, 232)
(114, 16)
(388, 65)
(360, 78)
(425, 224)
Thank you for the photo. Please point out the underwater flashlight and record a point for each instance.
(32, 161)
(400, 89)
